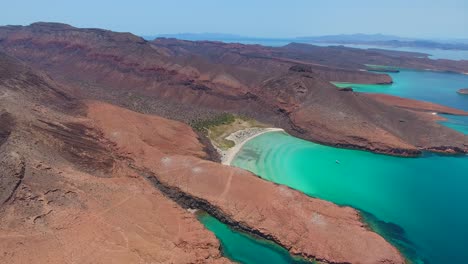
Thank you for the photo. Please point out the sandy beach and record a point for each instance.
(241, 137)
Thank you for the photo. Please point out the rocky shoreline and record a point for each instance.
(194, 204)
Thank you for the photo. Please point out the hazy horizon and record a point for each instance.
(215, 34)
(265, 19)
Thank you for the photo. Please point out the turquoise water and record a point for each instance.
(459, 123)
(419, 204)
(245, 249)
(436, 87)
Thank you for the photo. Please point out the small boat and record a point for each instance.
(337, 161)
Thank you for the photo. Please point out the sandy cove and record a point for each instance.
(241, 137)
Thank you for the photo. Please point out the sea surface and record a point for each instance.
(430, 86)
(418, 204)
(459, 123)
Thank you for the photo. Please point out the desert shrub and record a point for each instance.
(205, 124)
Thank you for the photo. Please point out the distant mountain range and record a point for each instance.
(359, 39)
(212, 37)
(354, 38)
(199, 36)
(388, 41)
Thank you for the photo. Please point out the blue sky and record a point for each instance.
(262, 18)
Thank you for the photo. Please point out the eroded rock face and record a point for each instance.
(308, 227)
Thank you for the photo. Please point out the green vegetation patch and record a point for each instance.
(382, 68)
(206, 124)
(221, 126)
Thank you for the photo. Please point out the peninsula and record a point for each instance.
(110, 142)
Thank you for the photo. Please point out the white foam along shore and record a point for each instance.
(239, 138)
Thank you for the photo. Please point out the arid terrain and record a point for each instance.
(88, 182)
(287, 86)
(100, 164)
